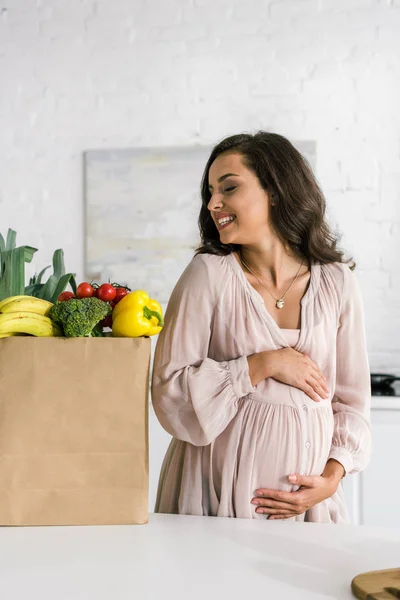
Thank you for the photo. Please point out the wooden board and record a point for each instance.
(377, 585)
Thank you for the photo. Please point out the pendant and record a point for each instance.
(280, 303)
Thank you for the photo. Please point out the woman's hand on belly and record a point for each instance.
(298, 370)
(313, 490)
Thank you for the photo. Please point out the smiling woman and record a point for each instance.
(261, 372)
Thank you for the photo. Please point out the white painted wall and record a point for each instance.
(81, 74)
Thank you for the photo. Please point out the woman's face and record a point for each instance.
(239, 205)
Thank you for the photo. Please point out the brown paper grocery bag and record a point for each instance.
(74, 431)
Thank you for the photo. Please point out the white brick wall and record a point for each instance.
(79, 74)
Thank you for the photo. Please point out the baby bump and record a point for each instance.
(270, 441)
(291, 439)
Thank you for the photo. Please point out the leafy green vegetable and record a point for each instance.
(79, 318)
(12, 272)
(12, 265)
(56, 283)
(11, 239)
(35, 283)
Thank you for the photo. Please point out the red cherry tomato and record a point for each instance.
(84, 290)
(106, 292)
(65, 296)
(120, 292)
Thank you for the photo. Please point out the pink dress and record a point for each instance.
(231, 438)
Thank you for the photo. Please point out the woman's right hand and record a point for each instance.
(293, 368)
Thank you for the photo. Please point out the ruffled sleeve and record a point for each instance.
(195, 397)
(351, 444)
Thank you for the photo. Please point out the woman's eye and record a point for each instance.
(230, 189)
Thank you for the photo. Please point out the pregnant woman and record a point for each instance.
(261, 372)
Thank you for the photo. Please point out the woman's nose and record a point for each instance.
(214, 202)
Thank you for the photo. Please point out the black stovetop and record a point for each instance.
(385, 385)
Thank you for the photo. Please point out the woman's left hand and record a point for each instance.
(284, 505)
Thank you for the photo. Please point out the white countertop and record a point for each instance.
(191, 558)
(385, 403)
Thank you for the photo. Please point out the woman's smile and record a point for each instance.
(223, 220)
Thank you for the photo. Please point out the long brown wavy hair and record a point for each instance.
(298, 216)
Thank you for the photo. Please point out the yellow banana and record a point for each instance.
(5, 335)
(26, 304)
(29, 323)
(6, 301)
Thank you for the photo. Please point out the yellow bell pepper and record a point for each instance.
(137, 315)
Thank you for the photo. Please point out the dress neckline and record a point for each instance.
(262, 309)
(291, 336)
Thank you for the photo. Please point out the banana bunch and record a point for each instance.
(26, 315)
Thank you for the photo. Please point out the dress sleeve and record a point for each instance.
(195, 397)
(351, 444)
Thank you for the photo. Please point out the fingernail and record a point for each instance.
(255, 502)
(259, 493)
(292, 478)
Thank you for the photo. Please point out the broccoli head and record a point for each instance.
(79, 318)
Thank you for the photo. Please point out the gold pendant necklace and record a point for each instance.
(279, 302)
